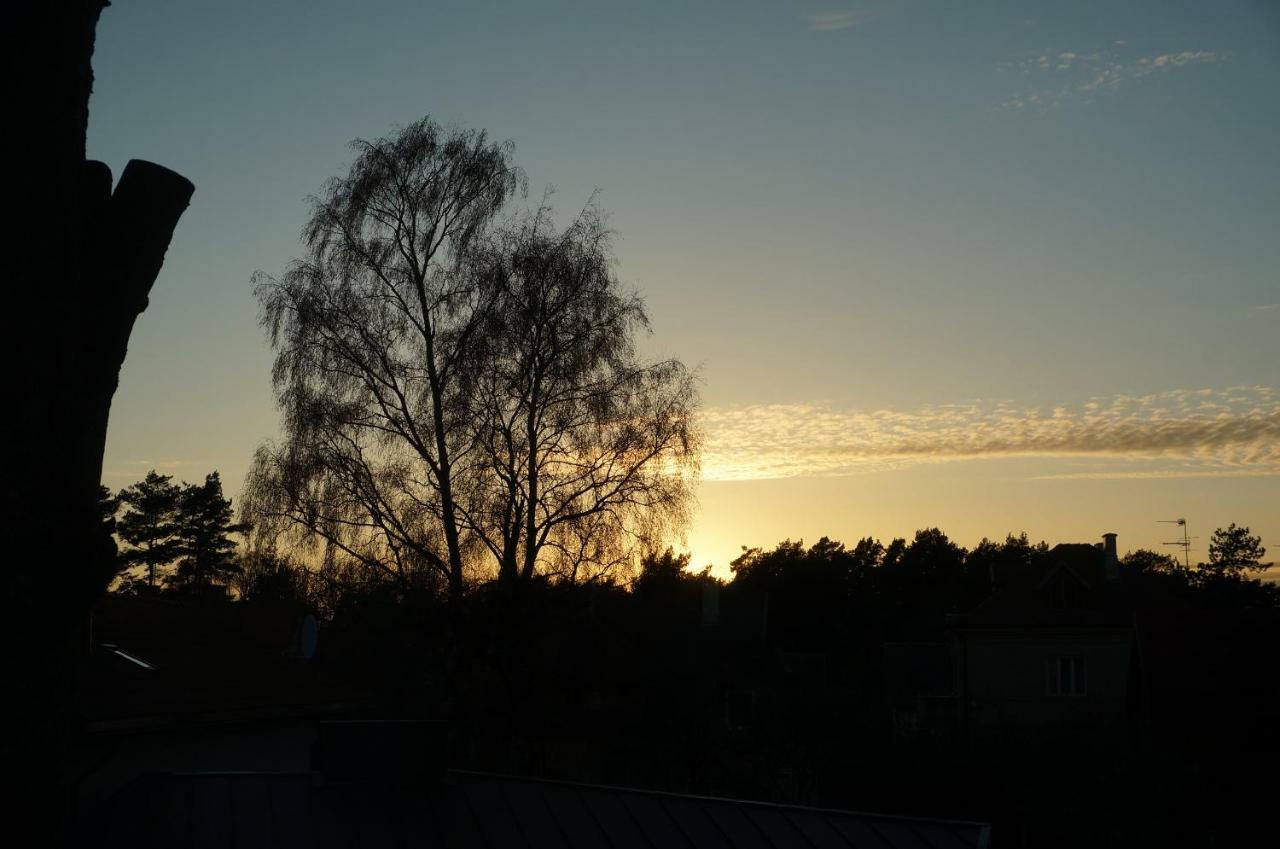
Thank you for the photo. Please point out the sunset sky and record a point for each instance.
(987, 266)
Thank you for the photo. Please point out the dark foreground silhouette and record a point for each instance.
(1062, 695)
(83, 258)
(1065, 696)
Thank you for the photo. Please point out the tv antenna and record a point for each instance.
(1184, 543)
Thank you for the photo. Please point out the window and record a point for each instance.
(1066, 676)
(741, 709)
(906, 723)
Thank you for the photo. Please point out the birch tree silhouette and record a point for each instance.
(461, 398)
(590, 450)
(371, 329)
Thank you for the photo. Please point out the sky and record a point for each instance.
(989, 266)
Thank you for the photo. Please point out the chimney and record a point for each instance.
(1110, 563)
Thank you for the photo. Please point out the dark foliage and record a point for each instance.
(149, 526)
(205, 551)
(267, 577)
(1233, 551)
(1147, 562)
(180, 536)
(462, 399)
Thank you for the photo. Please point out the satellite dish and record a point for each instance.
(308, 637)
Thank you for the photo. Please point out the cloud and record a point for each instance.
(1203, 431)
(1267, 307)
(1072, 74)
(834, 19)
(1160, 474)
(1166, 61)
(134, 470)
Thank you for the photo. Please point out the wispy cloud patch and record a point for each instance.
(1164, 62)
(832, 20)
(1160, 474)
(1267, 307)
(1066, 74)
(1231, 431)
(133, 470)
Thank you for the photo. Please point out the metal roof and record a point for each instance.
(468, 809)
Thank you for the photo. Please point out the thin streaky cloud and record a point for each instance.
(1267, 307)
(1166, 61)
(833, 20)
(1160, 474)
(1062, 75)
(1233, 429)
(137, 469)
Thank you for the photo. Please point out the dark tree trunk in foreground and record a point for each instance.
(82, 261)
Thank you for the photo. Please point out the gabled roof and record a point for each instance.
(1069, 594)
(1079, 562)
(158, 660)
(470, 809)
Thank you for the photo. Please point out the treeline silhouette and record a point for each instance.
(421, 411)
(173, 537)
(476, 468)
(785, 682)
(179, 537)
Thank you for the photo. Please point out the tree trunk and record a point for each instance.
(448, 511)
(531, 518)
(83, 261)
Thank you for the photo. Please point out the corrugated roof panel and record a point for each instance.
(164, 810)
(902, 834)
(475, 810)
(533, 816)
(863, 835)
(696, 822)
(289, 809)
(420, 821)
(777, 828)
(494, 815)
(617, 822)
(658, 826)
(570, 812)
(209, 808)
(378, 824)
(456, 822)
(252, 802)
(940, 836)
(743, 834)
(818, 829)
